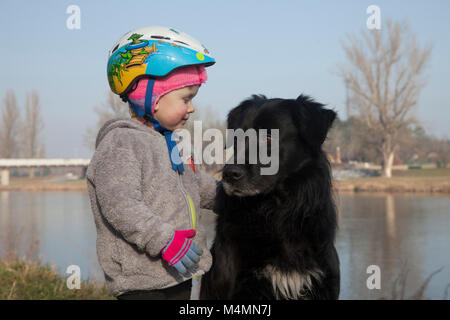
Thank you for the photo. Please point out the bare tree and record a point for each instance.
(32, 128)
(384, 77)
(9, 127)
(114, 107)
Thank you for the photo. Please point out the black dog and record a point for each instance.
(275, 233)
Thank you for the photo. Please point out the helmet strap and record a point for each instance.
(148, 98)
(148, 116)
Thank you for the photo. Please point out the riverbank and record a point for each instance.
(393, 185)
(45, 184)
(403, 181)
(24, 280)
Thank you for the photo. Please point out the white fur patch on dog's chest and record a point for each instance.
(290, 285)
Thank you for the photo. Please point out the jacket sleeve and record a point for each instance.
(208, 186)
(117, 181)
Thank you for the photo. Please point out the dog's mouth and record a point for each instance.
(232, 190)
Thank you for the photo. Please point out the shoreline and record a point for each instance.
(41, 184)
(430, 185)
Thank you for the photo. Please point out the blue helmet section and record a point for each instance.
(169, 57)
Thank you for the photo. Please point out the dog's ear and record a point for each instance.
(316, 120)
(237, 114)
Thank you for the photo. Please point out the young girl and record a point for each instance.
(145, 203)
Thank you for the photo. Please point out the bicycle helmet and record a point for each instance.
(152, 51)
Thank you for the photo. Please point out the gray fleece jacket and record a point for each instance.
(138, 201)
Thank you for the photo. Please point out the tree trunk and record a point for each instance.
(388, 161)
(31, 173)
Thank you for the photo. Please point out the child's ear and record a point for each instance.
(315, 120)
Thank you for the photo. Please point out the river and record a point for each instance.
(382, 235)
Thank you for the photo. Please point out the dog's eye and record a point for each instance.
(267, 139)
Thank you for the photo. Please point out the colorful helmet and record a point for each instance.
(152, 51)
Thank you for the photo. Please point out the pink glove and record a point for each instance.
(181, 252)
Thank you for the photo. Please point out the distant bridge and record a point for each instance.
(7, 164)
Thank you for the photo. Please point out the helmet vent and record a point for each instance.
(160, 37)
(115, 48)
(181, 42)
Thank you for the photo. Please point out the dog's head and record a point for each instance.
(302, 127)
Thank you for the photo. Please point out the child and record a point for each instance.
(145, 203)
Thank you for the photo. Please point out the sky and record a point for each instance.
(277, 48)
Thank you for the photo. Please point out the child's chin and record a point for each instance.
(181, 124)
(174, 127)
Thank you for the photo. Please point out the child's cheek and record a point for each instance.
(181, 112)
(177, 115)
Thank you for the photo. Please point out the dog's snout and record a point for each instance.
(232, 173)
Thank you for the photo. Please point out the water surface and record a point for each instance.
(402, 234)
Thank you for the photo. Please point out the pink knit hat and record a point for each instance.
(179, 78)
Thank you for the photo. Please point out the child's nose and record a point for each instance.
(190, 108)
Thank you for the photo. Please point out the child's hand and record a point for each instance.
(181, 252)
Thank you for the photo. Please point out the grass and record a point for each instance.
(23, 279)
(399, 286)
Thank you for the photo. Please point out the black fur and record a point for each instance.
(291, 223)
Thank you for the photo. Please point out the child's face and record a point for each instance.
(172, 109)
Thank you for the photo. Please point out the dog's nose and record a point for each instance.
(232, 173)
